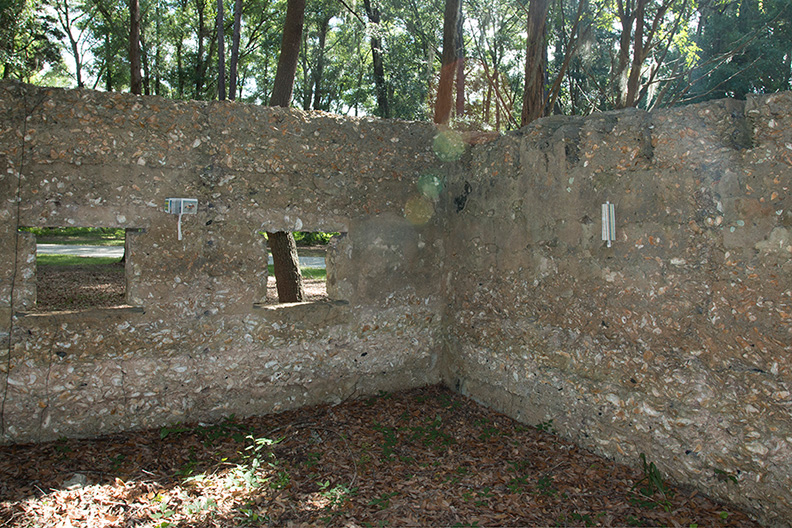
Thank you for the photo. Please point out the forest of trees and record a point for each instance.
(514, 60)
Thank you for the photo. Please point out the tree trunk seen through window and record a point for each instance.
(287, 269)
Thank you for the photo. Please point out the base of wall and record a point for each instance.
(212, 406)
(525, 407)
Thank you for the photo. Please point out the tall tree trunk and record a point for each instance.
(77, 62)
(221, 78)
(535, 61)
(144, 60)
(199, 60)
(67, 23)
(380, 85)
(626, 17)
(232, 79)
(157, 51)
(180, 37)
(289, 54)
(136, 81)
(445, 87)
(492, 91)
(430, 60)
(630, 91)
(109, 64)
(7, 67)
(487, 103)
(179, 70)
(282, 245)
(567, 50)
(324, 25)
(307, 78)
(634, 78)
(460, 73)
(209, 80)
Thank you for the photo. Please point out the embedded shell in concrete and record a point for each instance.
(674, 342)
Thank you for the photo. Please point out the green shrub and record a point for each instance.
(312, 238)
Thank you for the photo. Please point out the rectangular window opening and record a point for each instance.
(312, 251)
(79, 268)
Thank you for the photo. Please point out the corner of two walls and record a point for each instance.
(674, 342)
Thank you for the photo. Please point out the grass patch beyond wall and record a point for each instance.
(73, 260)
(89, 236)
(307, 273)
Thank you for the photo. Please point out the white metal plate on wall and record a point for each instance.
(181, 206)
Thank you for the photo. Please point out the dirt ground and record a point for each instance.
(79, 287)
(424, 457)
(61, 288)
(315, 290)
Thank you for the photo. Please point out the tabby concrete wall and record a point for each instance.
(197, 342)
(674, 342)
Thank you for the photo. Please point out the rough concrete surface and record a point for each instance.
(196, 342)
(674, 342)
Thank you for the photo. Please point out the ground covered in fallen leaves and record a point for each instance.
(424, 457)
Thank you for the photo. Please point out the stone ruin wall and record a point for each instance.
(196, 342)
(674, 342)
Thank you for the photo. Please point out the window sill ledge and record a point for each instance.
(286, 306)
(103, 312)
(314, 314)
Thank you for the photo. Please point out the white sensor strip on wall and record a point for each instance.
(608, 223)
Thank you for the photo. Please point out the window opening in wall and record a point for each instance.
(311, 249)
(79, 268)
